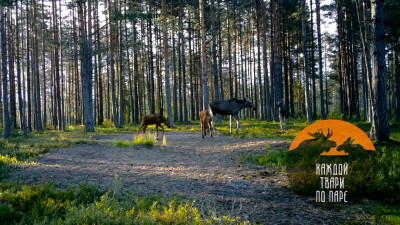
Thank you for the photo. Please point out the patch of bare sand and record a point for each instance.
(203, 169)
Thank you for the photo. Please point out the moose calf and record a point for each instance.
(282, 114)
(205, 121)
(156, 119)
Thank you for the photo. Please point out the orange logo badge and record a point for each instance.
(336, 138)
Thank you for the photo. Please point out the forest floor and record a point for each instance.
(207, 170)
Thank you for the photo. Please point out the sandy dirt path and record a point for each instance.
(203, 169)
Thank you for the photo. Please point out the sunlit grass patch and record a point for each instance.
(254, 128)
(274, 158)
(121, 143)
(145, 139)
(44, 204)
(367, 211)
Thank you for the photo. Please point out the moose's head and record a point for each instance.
(166, 121)
(324, 139)
(280, 103)
(250, 104)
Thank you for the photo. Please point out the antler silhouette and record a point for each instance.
(329, 134)
(320, 133)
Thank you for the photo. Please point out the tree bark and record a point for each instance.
(214, 51)
(166, 61)
(321, 86)
(277, 54)
(86, 65)
(57, 64)
(185, 111)
(397, 82)
(307, 91)
(265, 63)
(111, 45)
(6, 116)
(11, 74)
(203, 55)
(380, 121)
(20, 97)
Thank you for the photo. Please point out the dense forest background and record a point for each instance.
(85, 62)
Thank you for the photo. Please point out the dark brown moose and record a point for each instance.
(156, 119)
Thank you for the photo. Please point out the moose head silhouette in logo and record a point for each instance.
(319, 143)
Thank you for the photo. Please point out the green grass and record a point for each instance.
(249, 128)
(271, 158)
(19, 150)
(43, 204)
(121, 143)
(147, 139)
(373, 212)
(382, 208)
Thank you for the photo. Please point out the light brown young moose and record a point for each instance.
(156, 119)
(205, 121)
(282, 114)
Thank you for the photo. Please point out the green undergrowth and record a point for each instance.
(121, 143)
(373, 212)
(383, 194)
(249, 128)
(270, 158)
(20, 150)
(86, 204)
(147, 139)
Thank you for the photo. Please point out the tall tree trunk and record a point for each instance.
(135, 76)
(38, 114)
(44, 69)
(57, 64)
(321, 85)
(175, 83)
(192, 88)
(277, 54)
(6, 116)
(397, 82)
(314, 94)
(307, 93)
(11, 74)
(62, 72)
(367, 60)
(380, 121)
(229, 57)
(20, 97)
(265, 63)
(221, 83)
(166, 61)
(203, 55)
(100, 118)
(86, 63)
(111, 43)
(214, 51)
(121, 71)
(185, 111)
(259, 30)
(180, 74)
(28, 66)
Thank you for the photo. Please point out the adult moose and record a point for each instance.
(230, 108)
